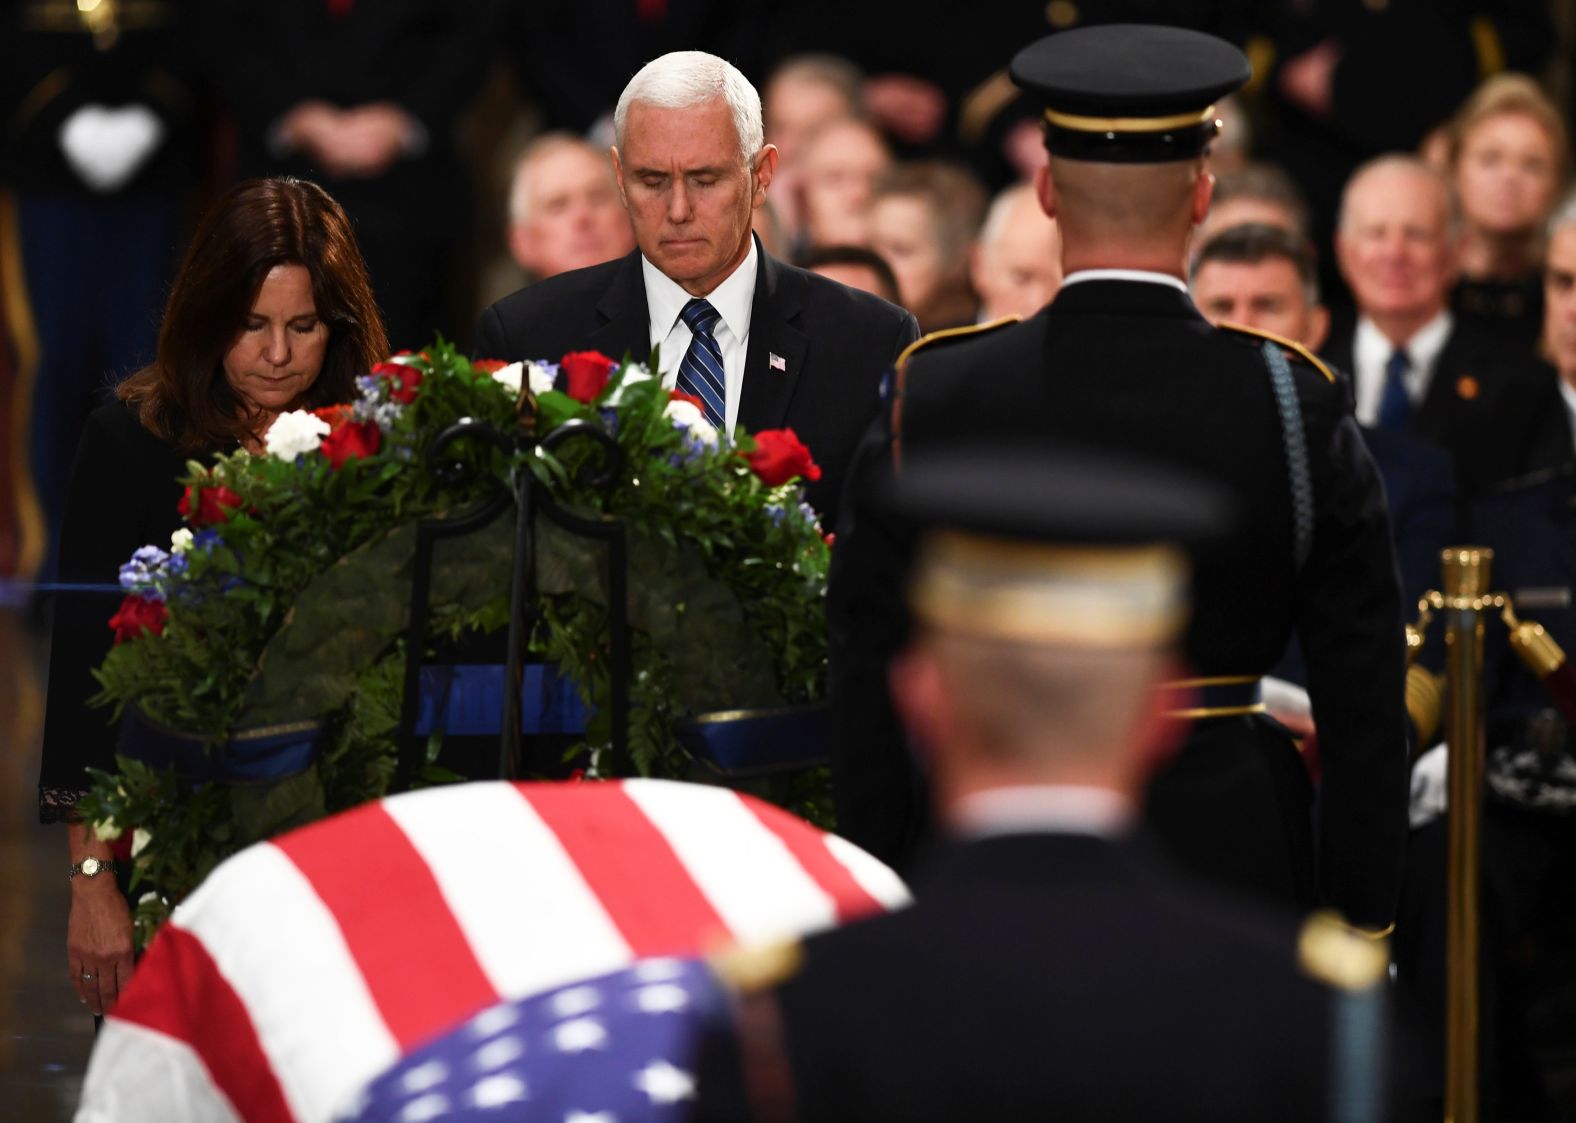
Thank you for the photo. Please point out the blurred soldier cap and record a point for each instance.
(1036, 547)
(1130, 93)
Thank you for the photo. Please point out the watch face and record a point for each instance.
(90, 866)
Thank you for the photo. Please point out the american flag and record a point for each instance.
(305, 966)
(614, 1049)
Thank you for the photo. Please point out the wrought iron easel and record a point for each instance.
(529, 498)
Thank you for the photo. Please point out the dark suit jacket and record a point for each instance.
(837, 344)
(1047, 976)
(1484, 404)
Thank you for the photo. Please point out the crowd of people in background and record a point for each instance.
(468, 143)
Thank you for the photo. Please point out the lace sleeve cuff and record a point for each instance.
(59, 805)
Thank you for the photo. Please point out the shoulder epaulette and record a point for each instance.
(1335, 953)
(967, 331)
(1289, 344)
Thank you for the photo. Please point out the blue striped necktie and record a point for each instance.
(700, 373)
(1395, 407)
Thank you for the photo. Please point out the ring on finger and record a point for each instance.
(88, 976)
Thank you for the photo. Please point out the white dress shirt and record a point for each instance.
(1041, 809)
(1145, 275)
(1371, 351)
(733, 300)
(1570, 407)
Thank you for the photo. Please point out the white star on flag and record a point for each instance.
(576, 1001)
(661, 998)
(495, 1091)
(426, 1076)
(590, 1117)
(664, 1084)
(579, 1035)
(658, 970)
(496, 1054)
(425, 1110)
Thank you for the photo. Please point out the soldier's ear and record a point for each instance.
(1045, 189)
(1203, 193)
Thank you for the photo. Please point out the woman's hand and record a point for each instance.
(98, 941)
(99, 930)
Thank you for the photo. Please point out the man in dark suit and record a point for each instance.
(1052, 967)
(1552, 439)
(763, 344)
(1122, 360)
(1414, 367)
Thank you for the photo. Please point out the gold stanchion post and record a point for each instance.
(1466, 583)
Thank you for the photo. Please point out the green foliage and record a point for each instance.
(295, 607)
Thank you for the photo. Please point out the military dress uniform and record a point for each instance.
(1052, 967)
(1124, 362)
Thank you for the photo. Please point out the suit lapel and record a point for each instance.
(625, 324)
(1440, 411)
(775, 359)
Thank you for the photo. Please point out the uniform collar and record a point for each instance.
(1041, 809)
(1143, 276)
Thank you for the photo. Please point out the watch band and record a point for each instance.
(91, 867)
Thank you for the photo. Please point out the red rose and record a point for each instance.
(403, 380)
(137, 615)
(208, 506)
(681, 396)
(488, 366)
(585, 373)
(350, 440)
(336, 416)
(779, 456)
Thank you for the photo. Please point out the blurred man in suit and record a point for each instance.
(764, 344)
(564, 211)
(1414, 367)
(1016, 265)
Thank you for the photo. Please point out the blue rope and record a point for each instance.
(1296, 444)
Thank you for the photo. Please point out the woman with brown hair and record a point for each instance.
(271, 311)
(1508, 161)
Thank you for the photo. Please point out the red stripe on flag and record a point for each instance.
(631, 867)
(409, 948)
(179, 992)
(808, 846)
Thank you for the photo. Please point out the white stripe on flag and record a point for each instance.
(530, 917)
(274, 940)
(874, 876)
(139, 1075)
(753, 881)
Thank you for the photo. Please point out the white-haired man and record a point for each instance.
(564, 211)
(1016, 265)
(765, 345)
(1416, 368)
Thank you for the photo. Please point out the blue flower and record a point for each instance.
(206, 539)
(777, 513)
(144, 569)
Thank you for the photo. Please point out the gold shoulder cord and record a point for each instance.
(1289, 344)
(901, 369)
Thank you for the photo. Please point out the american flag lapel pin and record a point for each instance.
(776, 362)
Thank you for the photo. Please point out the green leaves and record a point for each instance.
(296, 608)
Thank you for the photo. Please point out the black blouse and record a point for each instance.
(123, 494)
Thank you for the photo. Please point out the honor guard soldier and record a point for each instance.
(1122, 361)
(1052, 967)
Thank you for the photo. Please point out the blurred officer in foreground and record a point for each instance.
(1052, 967)
(1121, 360)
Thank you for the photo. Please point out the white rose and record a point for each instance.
(294, 433)
(146, 898)
(541, 378)
(509, 377)
(631, 375)
(689, 415)
(181, 541)
(139, 840)
(108, 830)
